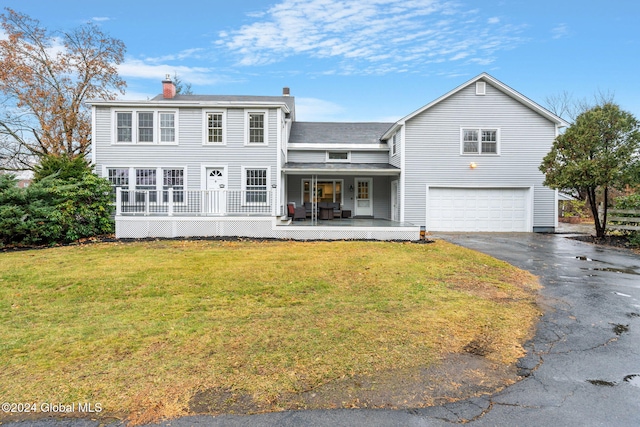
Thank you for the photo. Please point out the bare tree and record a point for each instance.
(45, 77)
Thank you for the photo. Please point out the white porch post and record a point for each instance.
(314, 199)
(147, 194)
(118, 201)
(170, 207)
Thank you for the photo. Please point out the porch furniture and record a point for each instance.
(308, 207)
(346, 214)
(326, 212)
(296, 212)
(337, 212)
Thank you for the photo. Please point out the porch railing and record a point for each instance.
(196, 202)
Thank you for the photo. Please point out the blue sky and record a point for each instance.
(366, 60)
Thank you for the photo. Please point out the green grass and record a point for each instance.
(142, 327)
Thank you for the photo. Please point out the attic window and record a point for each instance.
(338, 156)
(481, 88)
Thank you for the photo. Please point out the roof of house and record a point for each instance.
(337, 132)
(294, 168)
(231, 99)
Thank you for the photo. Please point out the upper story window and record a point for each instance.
(256, 128)
(214, 127)
(167, 127)
(338, 156)
(145, 127)
(480, 141)
(394, 144)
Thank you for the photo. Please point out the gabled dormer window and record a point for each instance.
(339, 156)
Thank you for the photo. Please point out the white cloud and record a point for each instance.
(560, 31)
(100, 19)
(156, 71)
(369, 34)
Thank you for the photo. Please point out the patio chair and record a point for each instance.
(337, 211)
(307, 207)
(296, 212)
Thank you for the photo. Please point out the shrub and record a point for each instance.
(63, 167)
(53, 210)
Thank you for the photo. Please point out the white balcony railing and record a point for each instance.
(196, 202)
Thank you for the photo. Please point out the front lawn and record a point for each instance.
(141, 328)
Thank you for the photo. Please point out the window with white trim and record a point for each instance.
(394, 144)
(146, 181)
(214, 131)
(146, 127)
(173, 178)
(256, 128)
(480, 141)
(338, 156)
(167, 127)
(255, 185)
(124, 127)
(119, 178)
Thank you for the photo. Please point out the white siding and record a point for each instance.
(433, 150)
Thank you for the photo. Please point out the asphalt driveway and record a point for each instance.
(582, 367)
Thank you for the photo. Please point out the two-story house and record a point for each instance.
(200, 165)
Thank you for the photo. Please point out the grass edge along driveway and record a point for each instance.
(141, 327)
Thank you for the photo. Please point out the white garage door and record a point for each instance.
(478, 209)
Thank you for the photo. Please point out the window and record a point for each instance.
(146, 180)
(338, 156)
(147, 127)
(326, 191)
(256, 128)
(119, 178)
(256, 132)
(256, 185)
(167, 127)
(173, 178)
(394, 144)
(124, 127)
(480, 141)
(214, 128)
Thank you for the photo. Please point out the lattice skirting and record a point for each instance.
(142, 227)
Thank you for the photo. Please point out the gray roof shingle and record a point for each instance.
(248, 99)
(337, 133)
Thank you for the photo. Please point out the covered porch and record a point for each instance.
(359, 191)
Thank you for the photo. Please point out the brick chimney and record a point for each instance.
(168, 88)
(286, 91)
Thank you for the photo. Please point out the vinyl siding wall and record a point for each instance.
(313, 156)
(433, 156)
(190, 153)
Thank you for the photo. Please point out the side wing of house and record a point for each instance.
(471, 162)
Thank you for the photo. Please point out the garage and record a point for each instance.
(478, 209)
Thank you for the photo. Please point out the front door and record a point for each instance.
(395, 211)
(216, 197)
(364, 197)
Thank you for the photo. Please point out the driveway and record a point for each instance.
(582, 367)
